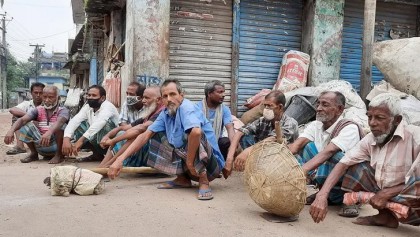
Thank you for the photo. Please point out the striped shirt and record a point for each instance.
(394, 162)
(44, 122)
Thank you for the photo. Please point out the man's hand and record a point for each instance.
(379, 200)
(67, 147)
(10, 136)
(240, 163)
(319, 208)
(192, 170)
(103, 143)
(77, 146)
(227, 170)
(45, 139)
(115, 169)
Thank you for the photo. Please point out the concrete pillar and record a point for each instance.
(322, 39)
(147, 42)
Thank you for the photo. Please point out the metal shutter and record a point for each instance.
(399, 17)
(267, 30)
(200, 45)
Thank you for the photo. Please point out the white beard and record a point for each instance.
(148, 110)
(381, 138)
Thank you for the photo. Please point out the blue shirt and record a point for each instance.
(187, 116)
(226, 115)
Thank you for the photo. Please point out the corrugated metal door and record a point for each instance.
(200, 44)
(267, 30)
(392, 20)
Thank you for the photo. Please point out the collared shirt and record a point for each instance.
(44, 123)
(128, 115)
(396, 161)
(263, 128)
(346, 139)
(177, 127)
(226, 115)
(96, 120)
(26, 105)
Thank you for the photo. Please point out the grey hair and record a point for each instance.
(176, 82)
(340, 99)
(211, 86)
(52, 88)
(391, 101)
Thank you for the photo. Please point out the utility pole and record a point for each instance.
(3, 63)
(36, 55)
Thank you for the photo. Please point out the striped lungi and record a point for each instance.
(319, 175)
(361, 177)
(164, 157)
(138, 159)
(96, 139)
(30, 133)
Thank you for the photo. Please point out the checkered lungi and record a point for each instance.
(30, 133)
(164, 157)
(96, 139)
(138, 159)
(320, 174)
(361, 177)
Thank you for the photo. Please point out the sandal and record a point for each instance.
(349, 211)
(172, 185)
(90, 158)
(15, 151)
(28, 159)
(204, 194)
(310, 199)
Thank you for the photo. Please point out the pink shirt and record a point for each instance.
(396, 161)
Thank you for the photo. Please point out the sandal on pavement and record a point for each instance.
(172, 185)
(28, 159)
(310, 199)
(349, 211)
(15, 151)
(204, 194)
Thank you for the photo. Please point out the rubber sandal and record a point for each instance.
(172, 185)
(203, 194)
(15, 151)
(349, 211)
(28, 159)
(310, 199)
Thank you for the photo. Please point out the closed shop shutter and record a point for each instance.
(267, 30)
(200, 45)
(392, 20)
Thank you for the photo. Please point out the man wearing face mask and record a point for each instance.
(152, 106)
(323, 144)
(385, 163)
(90, 125)
(132, 106)
(44, 137)
(261, 129)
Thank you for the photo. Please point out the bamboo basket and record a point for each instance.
(274, 178)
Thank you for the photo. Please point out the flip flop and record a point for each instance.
(202, 194)
(172, 185)
(15, 151)
(349, 211)
(310, 199)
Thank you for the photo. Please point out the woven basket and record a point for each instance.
(275, 180)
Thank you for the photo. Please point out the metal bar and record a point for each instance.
(235, 58)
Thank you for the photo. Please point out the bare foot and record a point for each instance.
(384, 218)
(31, 157)
(56, 160)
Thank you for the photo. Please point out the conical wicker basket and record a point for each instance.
(275, 180)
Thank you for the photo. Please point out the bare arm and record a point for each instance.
(227, 170)
(230, 131)
(319, 207)
(17, 112)
(46, 138)
(321, 157)
(194, 139)
(298, 145)
(8, 138)
(132, 132)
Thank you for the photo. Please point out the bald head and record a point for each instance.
(153, 91)
(50, 97)
(152, 95)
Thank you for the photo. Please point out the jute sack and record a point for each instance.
(275, 180)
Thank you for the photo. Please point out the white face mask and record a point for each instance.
(268, 114)
(50, 106)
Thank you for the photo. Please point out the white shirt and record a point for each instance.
(346, 139)
(26, 105)
(96, 120)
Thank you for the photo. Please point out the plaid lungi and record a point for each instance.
(96, 139)
(164, 157)
(138, 159)
(361, 177)
(320, 174)
(30, 133)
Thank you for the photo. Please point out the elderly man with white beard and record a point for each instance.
(152, 106)
(385, 162)
(46, 136)
(323, 143)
